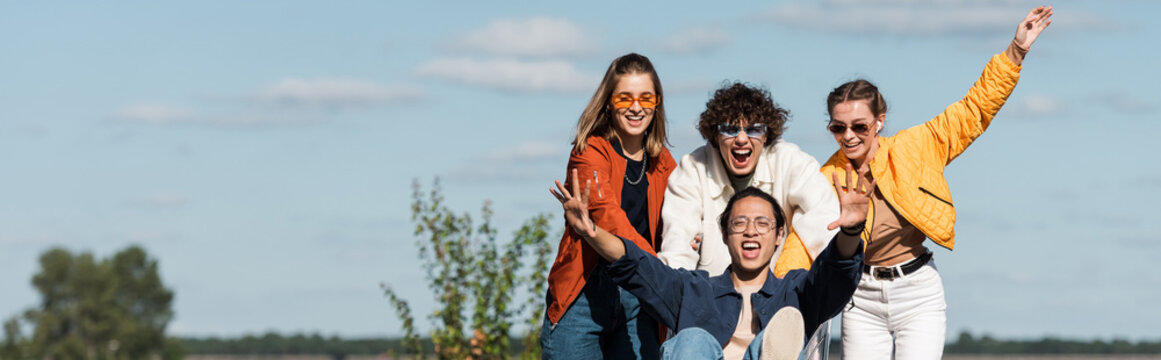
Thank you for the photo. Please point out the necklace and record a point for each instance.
(644, 165)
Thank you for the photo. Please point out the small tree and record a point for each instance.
(466, 266)
(115, 308)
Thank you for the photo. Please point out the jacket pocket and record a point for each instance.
(925, 191)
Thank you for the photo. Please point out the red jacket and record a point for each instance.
(574, 257)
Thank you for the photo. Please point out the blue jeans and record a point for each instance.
(695, 343)
(605, 322)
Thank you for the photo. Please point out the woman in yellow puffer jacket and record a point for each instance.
(899, 305)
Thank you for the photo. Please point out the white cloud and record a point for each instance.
(534, 37)
(529, 151)
(696, 40)
(332, 93)
(916, 18)
(227, 117)
(1127, 104)
(162, 201)
(529, 160)
(1041, 105)
(145, 236)
(39, 239)
(290, 101)
(510, 74)
(23, 130)
(261, 119)
(152, 114)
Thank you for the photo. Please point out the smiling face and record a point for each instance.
(750, 249)
(740, 153)
(850, 116)
(630, 122)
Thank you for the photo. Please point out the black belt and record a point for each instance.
(892, 272)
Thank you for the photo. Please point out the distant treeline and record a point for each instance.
(272, 344)
(968, 344)
(276, 344)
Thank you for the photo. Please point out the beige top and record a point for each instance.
(747, 326)
(893, 239)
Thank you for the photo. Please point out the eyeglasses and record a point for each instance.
(732, 130)
(840, 128)
(624, 101)
(762, 224)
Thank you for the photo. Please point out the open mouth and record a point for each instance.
(741, 157)
(635, 120)
(851, 146)
(751, 249)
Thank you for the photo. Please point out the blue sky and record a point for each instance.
(264, 151)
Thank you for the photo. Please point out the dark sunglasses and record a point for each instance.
(840, 128)
(732, 130)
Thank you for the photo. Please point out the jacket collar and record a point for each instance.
(723, 285)
(878, 163)
(719, 179)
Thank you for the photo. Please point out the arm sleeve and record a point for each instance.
(681, 216)
(604, 204)
(658, 287)
(814, 204)
(951, 132)
(828, 285)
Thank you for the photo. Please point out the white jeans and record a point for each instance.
(907, 315)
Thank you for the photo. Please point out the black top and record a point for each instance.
(635, 197)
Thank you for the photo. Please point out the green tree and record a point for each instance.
(116, 308)
(13, 343)
(467, 269)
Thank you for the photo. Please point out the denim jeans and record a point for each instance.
(695, 343)
(604, 322)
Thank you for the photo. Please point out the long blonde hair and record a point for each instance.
(597, 119)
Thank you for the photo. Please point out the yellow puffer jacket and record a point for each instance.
(909, 165)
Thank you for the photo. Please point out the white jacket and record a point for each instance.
(700, 187)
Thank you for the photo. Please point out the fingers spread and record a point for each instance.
(557, 195)
(561, 189)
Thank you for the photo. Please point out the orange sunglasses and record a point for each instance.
(624, 101)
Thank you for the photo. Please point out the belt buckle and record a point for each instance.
(883, 273)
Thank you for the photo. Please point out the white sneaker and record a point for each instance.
(783, 336)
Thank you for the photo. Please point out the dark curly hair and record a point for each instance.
(736, 103)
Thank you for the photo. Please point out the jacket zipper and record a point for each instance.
(597, 182)
(936, 197)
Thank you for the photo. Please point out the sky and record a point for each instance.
(264, 152)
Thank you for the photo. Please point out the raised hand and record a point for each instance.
(576, 206)
(854, 200)
(1030, 28)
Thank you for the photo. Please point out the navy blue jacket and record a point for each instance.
(683, 299)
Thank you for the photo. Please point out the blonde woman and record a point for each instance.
(620, 149)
